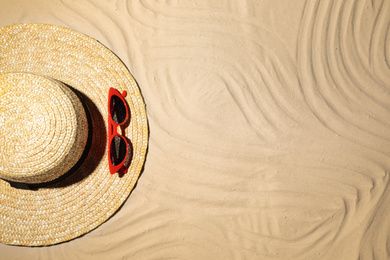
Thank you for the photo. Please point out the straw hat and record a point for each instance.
(55, 183)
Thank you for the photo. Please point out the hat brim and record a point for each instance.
(91, 195)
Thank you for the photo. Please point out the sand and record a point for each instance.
(269, 127)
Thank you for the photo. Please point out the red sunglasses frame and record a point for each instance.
(112, 130)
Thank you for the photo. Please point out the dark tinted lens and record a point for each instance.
(118, 150)
(118, 110)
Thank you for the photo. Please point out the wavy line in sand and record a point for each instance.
(343, 76)
(210, 63)
(338, 83)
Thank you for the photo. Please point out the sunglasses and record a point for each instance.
(118, 115)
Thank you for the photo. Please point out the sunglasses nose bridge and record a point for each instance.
(117, 129)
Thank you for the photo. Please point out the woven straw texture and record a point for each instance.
(91, 195)
(44, 128)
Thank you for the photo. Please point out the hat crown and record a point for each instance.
(43, 128)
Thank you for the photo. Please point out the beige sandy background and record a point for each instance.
(269, 127)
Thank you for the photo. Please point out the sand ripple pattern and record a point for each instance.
(269, 128)
(345, 76)
(344, 69)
